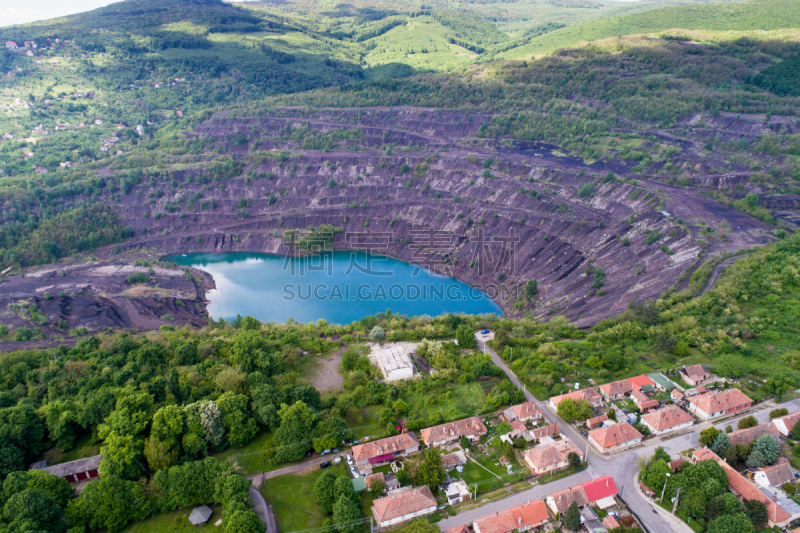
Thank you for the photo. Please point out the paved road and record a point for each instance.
(621, 466)
(718, 271)
(261, 509)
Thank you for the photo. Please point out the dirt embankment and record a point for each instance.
(493, 213)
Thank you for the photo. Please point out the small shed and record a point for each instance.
(200, 515)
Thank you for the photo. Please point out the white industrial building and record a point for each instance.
(394, 360)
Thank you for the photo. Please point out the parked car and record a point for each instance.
(337, 460)
(485, 332)
(326, 464)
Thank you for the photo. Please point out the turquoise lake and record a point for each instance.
(338, 286)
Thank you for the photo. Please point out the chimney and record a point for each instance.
(519, 521)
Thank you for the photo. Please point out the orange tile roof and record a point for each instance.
(372, 477)
(639, 396)
(667, 418)
(528, 515)
(589, 395)
(739, 485)
(545, 455)
(469, 427)
(614, 435)
(610, 522)
(526, 410)
(649, 404)
(398, 443)
(596, 420)
(721, 401)
(404, 502)
(615, 388)
(459, 529)
(640, 381)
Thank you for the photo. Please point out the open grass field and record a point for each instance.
(171, 522)
(292, 497)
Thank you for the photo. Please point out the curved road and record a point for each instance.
(718, 271)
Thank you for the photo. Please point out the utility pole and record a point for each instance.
(677, 498)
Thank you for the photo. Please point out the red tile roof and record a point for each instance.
(600, 488)
(404, 502)
(528, 515)
(639, 396)
(518, 426)
(398, 443)
(459, 529)
(590, 395)
(640, 381)
(610, 522)
(614, 435)
(721, 401)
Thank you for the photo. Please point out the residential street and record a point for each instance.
(621, 466)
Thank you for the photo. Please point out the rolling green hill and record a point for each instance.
(722, 16)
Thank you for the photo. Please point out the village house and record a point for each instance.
(452, 460)
(784, 424)
(694, 375)
(596, 421)
(11, 45)
(601, 491)
(590, 395)
(748, 435)
(384, 450)
(550, 457)
(403, 505)
(642, 383)
(774, 476)
(715, 404)
(615, 437)
(668, 419)
(517, 428)
(525, 517)
(30, 44)
(74, 471)
(98, 122)
(744, 490)
(373, 478)
(40, 170)
(639, 398)
(676, 395)
(524, 412)
(449, 433)
(616, 389)
(536, 435)
(560, 501)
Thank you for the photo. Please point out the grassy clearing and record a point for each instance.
(251, 458)
(82, 449)
(171, 522)
(292, 497)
